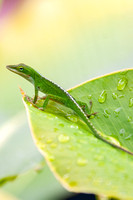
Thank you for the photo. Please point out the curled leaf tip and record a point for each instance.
(22, 92)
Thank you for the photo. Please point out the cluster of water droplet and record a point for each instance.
(120, 86)
(122, 82)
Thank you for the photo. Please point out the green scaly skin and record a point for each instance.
(56, 93)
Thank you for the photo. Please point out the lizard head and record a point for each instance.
(23, 70)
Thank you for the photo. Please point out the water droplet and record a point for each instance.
(130, 102)
(50, 117)
(73, 183)
(61, 125)
(97, 116)
(122, 131)
(106, 113)
(117, 111)
(121, 96)
(49, 141)
(39, 138)
(98, 157)
(76, 133)
(82, 161)
(114, 95)
(56, 129)
(129, 119)
(74, 126)
(53, 145)
(50, 157)
(41, 146)
(124, 72)
(128, 137)
(131, 88)
(72, 118)
(122, 83)
(89, 96)
(81, 141)
(71, 148)
(63, 138)
(102, 97)
(66, 176)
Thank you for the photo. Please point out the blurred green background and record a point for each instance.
(68, 41)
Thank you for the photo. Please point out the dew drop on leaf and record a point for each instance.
(130, 102)
(66, 176)
(122, 83)
(122, 131)
(53, 145)
(72, 118)
(74, 126)
(89, 96)
(114, 95)
(72, 148)
(41, 146)
(131, 88)
(102, 97)
(106, 113)
(117, 111)
(124, 72)
(63, 138)
(129, 119)
(61, 125)
(81, 162)
(56, 129)
(128, 137)
(121, 96)
(49, 141)
(73, 183)
(50, 157)
(75, 133)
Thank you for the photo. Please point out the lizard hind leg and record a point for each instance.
(86, 109)
(52, 98)
(46, 100)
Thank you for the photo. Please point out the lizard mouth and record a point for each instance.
(12, 69)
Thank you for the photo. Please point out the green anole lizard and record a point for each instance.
(56, 93)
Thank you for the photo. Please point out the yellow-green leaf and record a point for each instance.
(80, 161)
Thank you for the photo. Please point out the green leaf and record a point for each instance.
(4, 180)
(36, 186)
(78, 159)
(115, 114)
(17, 151)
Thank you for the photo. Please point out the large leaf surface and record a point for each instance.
(79, 160)
(115, 112)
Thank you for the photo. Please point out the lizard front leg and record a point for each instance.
(36, 95)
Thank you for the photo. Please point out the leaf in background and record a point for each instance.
(17, 151)
(36, 186)
(4, 180)
(79, 160)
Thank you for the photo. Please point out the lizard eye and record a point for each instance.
(21, 68)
